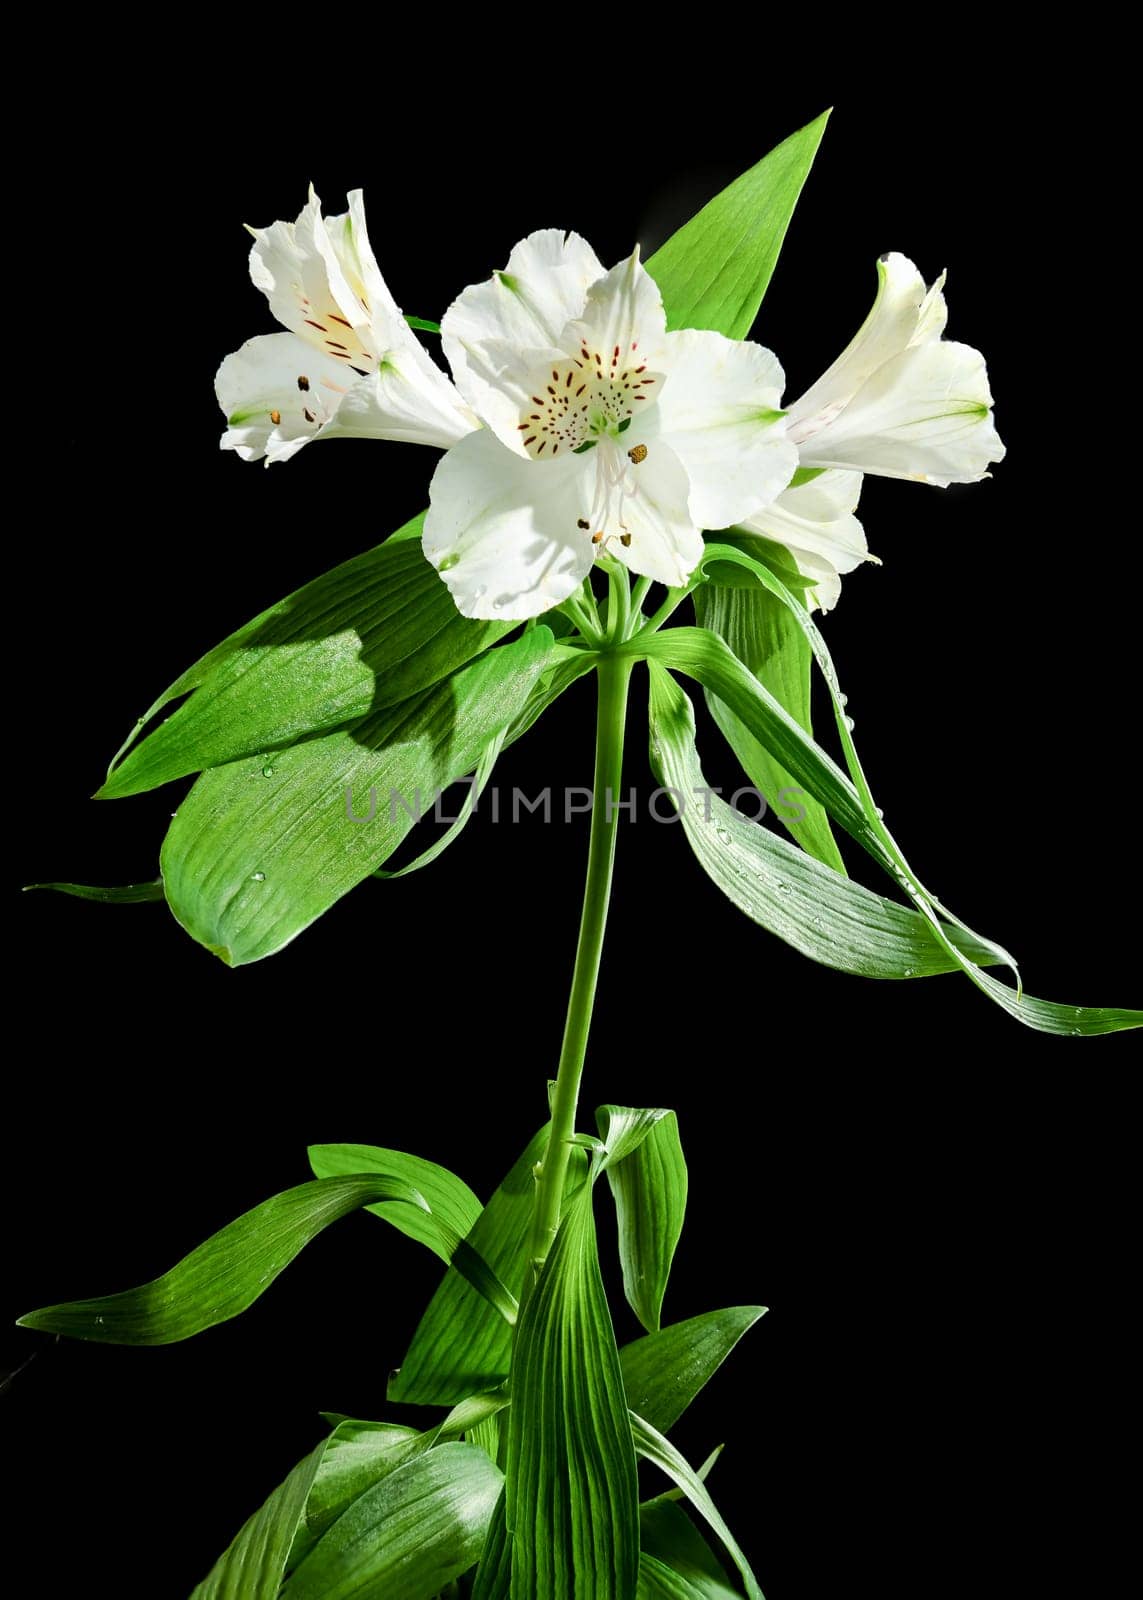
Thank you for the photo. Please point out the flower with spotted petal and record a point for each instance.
(350, 366)
(602, 432)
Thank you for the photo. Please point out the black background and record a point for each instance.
(930, 1199)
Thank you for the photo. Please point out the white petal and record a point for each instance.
(718, 411)
(825, 591)
(296, 267)
(497, 333)
(925, 415)
(349, 238)
(323, 282)
(277, 376)
(665, 543)
(815, 523)
(889, 329)
(502, 531)
(624, 314)
(402, 400)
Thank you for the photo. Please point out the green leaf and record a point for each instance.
(449, 1199)
(764, 634)
(371, 633)
(702, 655)
(250, 861)
(488, 759)
(715, 270)
(493, 1579)
(671, 1538)
(658, 1580)
(663, 1371)
(423, 324)
(253, 1565)
(461, 1343)
(571, 1490)
(551, 684)
(226, 1274)
(812, 908)
(354, 1457)
(1046, 1016)
(409, 1535)
(651, 1445)
(127, 894)
(622, 1129)
(649, 1186)
(454, 1208)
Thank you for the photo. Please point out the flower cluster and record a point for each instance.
(574, 422)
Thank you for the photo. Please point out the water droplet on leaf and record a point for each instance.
(257, 877)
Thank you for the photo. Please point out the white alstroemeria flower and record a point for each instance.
(816, 524)
(901, 401)
(603, 432)
(350, 366)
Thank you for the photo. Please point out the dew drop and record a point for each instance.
(257, 877)
(908, 972)
(723, 835)
(782, 888)
(879, 811)
(849, 723)
(843, 699)
(267, 772)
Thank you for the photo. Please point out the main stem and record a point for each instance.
(614, 673)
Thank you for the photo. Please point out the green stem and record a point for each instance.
(670, 605)
(614, 677)
(638, 595)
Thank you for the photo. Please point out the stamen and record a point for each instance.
(275, 417)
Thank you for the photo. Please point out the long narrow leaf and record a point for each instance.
(702, 655)
(253, 1565)
(763, 634)
(449, 1198)
(374, 631)
(664, 1371)
(571, 1491)
(126, 894)
(670, 1537)
(651, 1445)
(226, 1274)
(1046, 1016)
(824, 915)
(659, 1580)
(714, 271)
